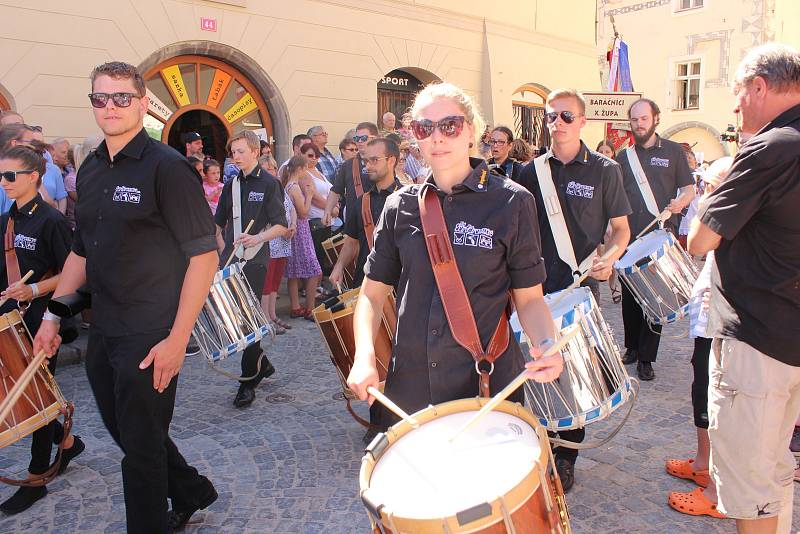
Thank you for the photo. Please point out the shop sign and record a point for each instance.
(219, 85)
(242, 107)
(174, 80)
(400, 81)
(609, 107)
(157, 107)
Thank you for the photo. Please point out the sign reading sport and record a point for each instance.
(609, 107)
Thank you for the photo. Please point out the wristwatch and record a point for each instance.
(50, 316)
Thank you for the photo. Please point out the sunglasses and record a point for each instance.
(351, 149)
(448, 126)
(311, 155)
(121, 100)
(360, 138)
(566, 116)
(375, 159)
(11, 176)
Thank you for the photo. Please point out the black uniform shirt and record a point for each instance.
(755, 295)
(42, 243)
(261, 201)
(510, 168)
(666, 169)
(139, 220)
(343, 182)
(590, 192)
(354, 225)
(492, 221)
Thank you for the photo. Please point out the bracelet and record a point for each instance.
(35, 290)
(50, 316)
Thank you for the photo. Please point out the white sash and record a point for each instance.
(555, 216)
(641, 180)
(236, 198)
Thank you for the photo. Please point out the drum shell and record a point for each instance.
(41, 401)
(536, 504)
(333, 247)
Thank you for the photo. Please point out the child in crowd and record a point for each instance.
(212, 182)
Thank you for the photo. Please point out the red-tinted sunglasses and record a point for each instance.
(448, 126)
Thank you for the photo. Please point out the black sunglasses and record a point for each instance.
(360, 138)
(11, 176)
(448, 126)
(566, 116)
(121, 100)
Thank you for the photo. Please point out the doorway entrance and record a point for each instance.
(208, 125)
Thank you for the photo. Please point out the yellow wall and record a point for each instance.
(787, 22)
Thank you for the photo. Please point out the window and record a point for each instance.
(689, 4)
(687, 85)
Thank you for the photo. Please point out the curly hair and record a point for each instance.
(118, 70)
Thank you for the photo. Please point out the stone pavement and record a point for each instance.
(289, 463)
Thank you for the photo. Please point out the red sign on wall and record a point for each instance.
(209, 25)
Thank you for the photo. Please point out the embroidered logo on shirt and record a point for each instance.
(255, 196)
(127, 194)
(23, 241)
(659, 162)
(467, 235)
(580, 190)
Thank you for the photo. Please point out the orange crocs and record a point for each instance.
(694, 503)
(683, 469)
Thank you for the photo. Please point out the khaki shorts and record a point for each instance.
(753, 403)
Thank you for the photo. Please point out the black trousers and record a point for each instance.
(702, 351)
(138, 417)
(42, 439)
(638, 333)
(255, 274)
(318, 236)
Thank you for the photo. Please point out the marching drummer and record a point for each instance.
(651, 181)
(259, 199)
(482, 214)
(38, 239)
(584, 195)
(352, 178)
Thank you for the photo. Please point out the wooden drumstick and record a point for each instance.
(24, 379)
(516, 383)
(607, 254)
(663, 216)
(397, 410)
(235, 248)
(21, 281)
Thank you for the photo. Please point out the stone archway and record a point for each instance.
(398, 88)
(6, 100)
(528, 107)
(707, 129)
(254, 80)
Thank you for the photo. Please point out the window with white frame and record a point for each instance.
(687, 84)
(683, 5)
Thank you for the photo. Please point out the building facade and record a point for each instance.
(684, 53)
(280, 67)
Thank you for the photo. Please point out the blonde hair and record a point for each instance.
(82, 150)
(557, 94)
(253, 141)
(447, 90)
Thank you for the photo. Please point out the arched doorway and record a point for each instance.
(528, 105)
(5, 105)
(193, 93)
(397, 89)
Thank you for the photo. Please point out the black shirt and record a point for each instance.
(343, 182)
(510, 168)
(261, 201)
(666, 169)
(496, 245)
(354, 224)
(42, 239)
(139, 220)
(590, 192)
(755, 295)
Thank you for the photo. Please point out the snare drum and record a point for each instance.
(660, 275)
(231, 318)
(333, 247)
(594, 383)
(42, 401)
(334, 318)
(497, 477)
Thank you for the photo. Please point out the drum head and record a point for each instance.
(580, 296)
(643, 247)
(425, 476)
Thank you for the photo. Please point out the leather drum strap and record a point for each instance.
(366, 218)
(456, 303)
(12, 264)
(359, 189)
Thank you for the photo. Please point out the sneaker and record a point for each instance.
(794, 445)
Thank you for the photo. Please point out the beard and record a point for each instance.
(640, 140)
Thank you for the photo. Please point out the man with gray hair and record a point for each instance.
(327, 163)
(388, 122)
(751, 222)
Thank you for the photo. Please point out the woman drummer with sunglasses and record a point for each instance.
(495, 240)
(41, 239)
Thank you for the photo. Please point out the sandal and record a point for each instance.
(616, 295)
(297, 312)
(683, 469)
(694, 503)
(279, 330)
(309, 316)
(282, 324)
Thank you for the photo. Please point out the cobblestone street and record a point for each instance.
(290, 462)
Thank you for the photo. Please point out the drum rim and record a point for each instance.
(514, 498)
(622, 394)
(654, 256)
